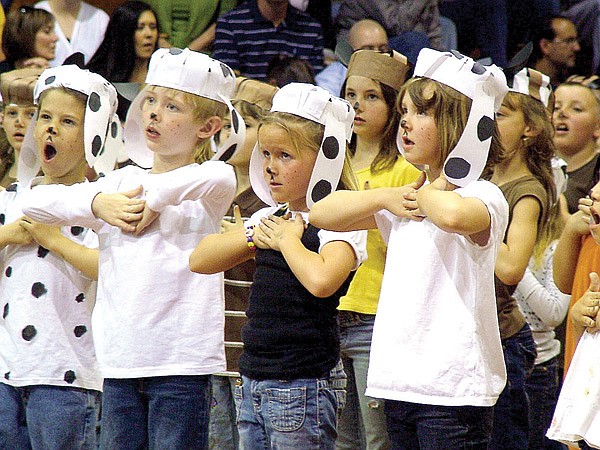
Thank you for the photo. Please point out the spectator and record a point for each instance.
(28, 39)
(79, 26)
(131, 38)
(189, 24)
(555, 48)
(249, 36)
(365, 34)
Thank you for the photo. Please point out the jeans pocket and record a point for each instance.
(237, 399)
(287, 408)
(340, 400)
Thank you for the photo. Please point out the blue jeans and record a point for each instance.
(511, 413)
(363, 418)
(222, 429)
(156, 413)
(294, 414)
(414, 426)
(542, 388)
(48, 417)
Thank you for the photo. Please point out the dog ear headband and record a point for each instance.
(187, 71)
(101, 130)
(486, 86)
(386, 68)
(535, 84)
(317, 105)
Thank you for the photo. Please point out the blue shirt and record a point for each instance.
(247, 42)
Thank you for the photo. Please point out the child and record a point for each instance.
(577, 419)
(371, 87)
(49, 394)
(252, 99)
(436, 353)
(158, 328)
(292, 385)
(16, 87)
(525, 177)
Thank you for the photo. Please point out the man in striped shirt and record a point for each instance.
(250, 36)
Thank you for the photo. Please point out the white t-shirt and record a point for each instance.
(45, 330)
(436, 338)
(88, 33)
(153, 315)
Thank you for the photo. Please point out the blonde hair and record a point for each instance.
(203, 109)
(308, 135)
(548, 232)
(450, 110)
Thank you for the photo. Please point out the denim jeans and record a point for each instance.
(48, 417)
(363, 418)
(511, 412)
(542, 389)
(222, 429)
(414, 426)
(291, 414)
(156, 413)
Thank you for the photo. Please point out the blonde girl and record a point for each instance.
(436, 352)
(292, 387)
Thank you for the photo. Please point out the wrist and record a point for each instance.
(249, 233)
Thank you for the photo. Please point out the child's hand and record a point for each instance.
(45, 235)
(15, 234)
(585, 311)
(237, 222)
(273, 230)
(579, 221)
(407, 206)
(148, 216)
(121, 210)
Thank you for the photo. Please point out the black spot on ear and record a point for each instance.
(175, 51)
(49, 80)
(96, 145)
(79, 330)
(12, 188)
(70, 376)
(7, 376)
(478, 69)
(80, 298)
(331, 147)
(228, 153)
(6, 311)
(485, 128)
(8, 271)
(2, 219)
(457, 168)
(42, 252)
(226, 71)
(321, 190)
(113, 129)
(94, 102)
(457, 54)
(28, 333)
(76, 231)
(38, 289)
(235, 120)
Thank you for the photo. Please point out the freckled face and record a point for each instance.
(372, 112)
(420, 138)
(286, 170)
(15, 122)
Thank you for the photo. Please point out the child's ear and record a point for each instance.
(211, 126)
(530, 131)
(1, 118)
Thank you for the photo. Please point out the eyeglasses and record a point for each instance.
(568, 41)
(378, 48)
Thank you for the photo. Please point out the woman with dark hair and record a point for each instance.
(131, 38)
(28, 39)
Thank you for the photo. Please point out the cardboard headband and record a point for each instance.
(387, 68)
(486, 86)
(535, 84)
(102, 134)
(256, 92)
(191, 72)
(317, 105)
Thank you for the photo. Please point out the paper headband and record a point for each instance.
(317, 105)
(191, 72)
(486, 86)
(101, 129)
(535, 84)
(389, 69)
(256, 92)
(17, 86)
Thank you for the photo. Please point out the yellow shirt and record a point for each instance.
(363, 293)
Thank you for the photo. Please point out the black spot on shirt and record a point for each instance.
(76, 231)
(79, 330)
(28, 333)
(5, 311)
(42, 252)
(80, 297)
(38, 289)
(70, 376)
(8, 271)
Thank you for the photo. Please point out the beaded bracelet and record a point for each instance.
(249, 232)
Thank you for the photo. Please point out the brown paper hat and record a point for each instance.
(17, 86)
(255, 92)
(387, 68)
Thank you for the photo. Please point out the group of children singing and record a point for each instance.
(415, 319)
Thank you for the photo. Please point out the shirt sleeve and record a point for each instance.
(356, 239)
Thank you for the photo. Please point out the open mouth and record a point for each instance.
(594, 217)
(562, 127)
(151, 131)
(49, 151)
(407, 141)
